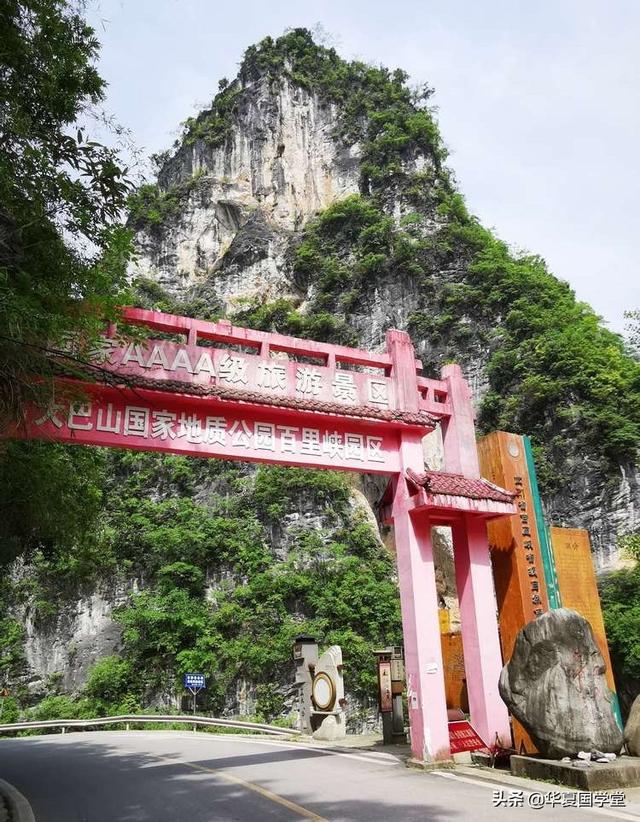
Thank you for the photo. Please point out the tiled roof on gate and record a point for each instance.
(457, 485)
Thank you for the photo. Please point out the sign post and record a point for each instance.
(390, 665)
(194, 682)
(385, 697)
(305, 655)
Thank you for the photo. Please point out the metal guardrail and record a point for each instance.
(132, 719)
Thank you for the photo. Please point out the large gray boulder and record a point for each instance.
(554, 684)
(632, 729)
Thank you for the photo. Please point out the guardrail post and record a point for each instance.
(64, 729)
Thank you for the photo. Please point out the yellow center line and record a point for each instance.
(250, 786)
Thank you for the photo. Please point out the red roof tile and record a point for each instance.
(457, 485)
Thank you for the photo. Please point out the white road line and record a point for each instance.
(276, 798)
(374, 757)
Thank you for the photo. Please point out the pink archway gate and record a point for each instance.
(215, 390)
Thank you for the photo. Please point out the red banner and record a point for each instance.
(463, 738)
(235, 393)
(205, 427)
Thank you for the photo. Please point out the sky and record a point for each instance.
(538, 103)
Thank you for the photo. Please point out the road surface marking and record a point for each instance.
(372, 757)
(251, 786)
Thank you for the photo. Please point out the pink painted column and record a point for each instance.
(416, 576)
(426, 696)
(480, 641)
(458, 432)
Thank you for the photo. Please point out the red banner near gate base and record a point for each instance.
(463, 738)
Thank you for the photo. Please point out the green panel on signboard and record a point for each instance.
(546, 552)
(548, 563)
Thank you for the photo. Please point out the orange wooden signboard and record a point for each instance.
(518, 575)
(578, 586)
(454, 673)
(517, 563)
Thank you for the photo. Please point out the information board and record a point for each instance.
(194, 681)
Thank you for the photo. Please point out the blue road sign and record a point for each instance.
(194, 681)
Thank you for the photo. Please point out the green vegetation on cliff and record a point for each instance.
(213, 125)
(217, 599)
(554, 371)
(375, 107)
(620, 598)
(200, 536)
(149, 206)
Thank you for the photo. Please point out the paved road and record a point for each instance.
(180, 777)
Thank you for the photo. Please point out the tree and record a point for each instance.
(62, 252)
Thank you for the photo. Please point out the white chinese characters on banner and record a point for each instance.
(344, 387)
(233, 369)
(136, 421)
(308, 381)
(240, 371)
(378, 392)
(271, 375)
(243, 435)
(107, 420)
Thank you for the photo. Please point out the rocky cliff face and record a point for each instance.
(62, 650)
(243, 209)
(60, 647)
(245, 199)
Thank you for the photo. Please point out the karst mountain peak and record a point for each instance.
(313, 197)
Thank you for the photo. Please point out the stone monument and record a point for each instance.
(555, 685)
(328, 716)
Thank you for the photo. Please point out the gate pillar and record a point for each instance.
(458, 432)
(480, 640)
(426, 697)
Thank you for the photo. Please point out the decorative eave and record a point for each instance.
(445, 496)
(457, 485)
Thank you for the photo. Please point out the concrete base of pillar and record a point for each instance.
(441, 764)
(333, 727)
